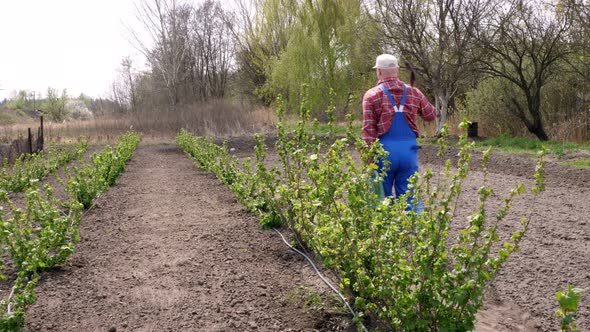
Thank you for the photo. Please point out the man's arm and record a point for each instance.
(369, 132)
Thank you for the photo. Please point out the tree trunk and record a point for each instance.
(172, 98)
(536, 126)
(539, 131)
(442, 106)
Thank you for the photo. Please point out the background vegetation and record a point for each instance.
(517, 67)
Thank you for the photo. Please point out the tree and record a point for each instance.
(126, 67)
(77, 109)
(328, 47)
(55, 105)
(438, 37)
(524, 44)
(190, 52)
(161, 22)
(87, 100)
(578, 11)
(579, 37)
(261, 32)
(123, 88)
(211, 49)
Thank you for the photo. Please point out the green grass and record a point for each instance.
(529, 145)
(579, 163)
(502, 144)
(6, 119)
(338, 129)
(10, 117)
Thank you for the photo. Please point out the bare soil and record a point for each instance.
(554, 253)
(170, 249)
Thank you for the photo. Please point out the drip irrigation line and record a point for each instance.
(9, 309)
(322, 277)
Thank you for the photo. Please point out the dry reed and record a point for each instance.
(217, 118)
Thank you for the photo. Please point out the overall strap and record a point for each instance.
(396, 108)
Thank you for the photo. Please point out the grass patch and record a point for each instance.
(6, 119)
(427, 140)
(503, 144)
(338, 129)
(529, 145)
(579, 163)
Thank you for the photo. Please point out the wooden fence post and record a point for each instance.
(41, 136)
(30, 142)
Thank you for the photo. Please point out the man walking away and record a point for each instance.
(389, 113)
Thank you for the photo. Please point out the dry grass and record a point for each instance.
(575, 129)
(218, 118)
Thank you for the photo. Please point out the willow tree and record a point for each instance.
(332, 46)
(325, 44)
(261, 31)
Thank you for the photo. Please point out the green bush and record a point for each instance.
(45, 232)
(6, 119)
(398, 266)
(88, 181)
(489, 105)
(29, 168)
(568, 306)
(36, 238)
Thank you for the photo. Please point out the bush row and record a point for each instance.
(399, 267)
(45, 232)
(30, 167)
(90, 180)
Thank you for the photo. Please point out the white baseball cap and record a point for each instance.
(386, 61)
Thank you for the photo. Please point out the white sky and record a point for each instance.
(73, 44)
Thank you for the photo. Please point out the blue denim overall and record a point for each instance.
(400, 142)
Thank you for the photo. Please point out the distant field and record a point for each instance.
(11, 117)
(223, 119)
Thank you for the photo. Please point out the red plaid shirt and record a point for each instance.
(378, 112)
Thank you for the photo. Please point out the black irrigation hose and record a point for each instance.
(322, 277)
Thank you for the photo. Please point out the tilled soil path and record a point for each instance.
(170, 249)
(555, 251)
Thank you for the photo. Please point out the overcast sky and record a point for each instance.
(72, 44)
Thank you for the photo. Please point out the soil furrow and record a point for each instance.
(170, 249)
